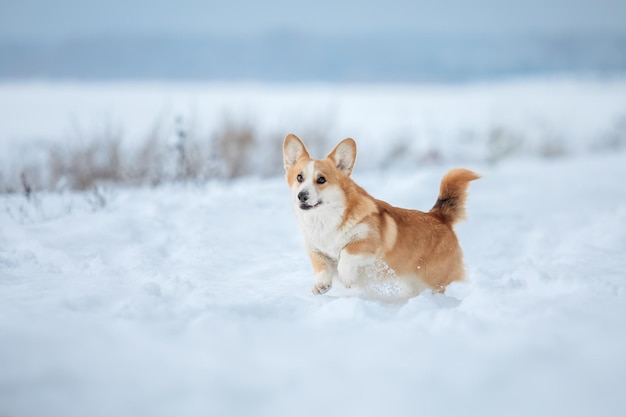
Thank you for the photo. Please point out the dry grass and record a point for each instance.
(87, 160)
(85, 165)
(233, 148)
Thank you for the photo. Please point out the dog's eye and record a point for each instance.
(299, 178)
(321, 180)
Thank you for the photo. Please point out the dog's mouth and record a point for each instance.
(307, 206)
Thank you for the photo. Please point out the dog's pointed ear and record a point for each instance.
(344, 155)
(293, 151)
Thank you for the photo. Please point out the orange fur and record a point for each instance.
(347, 229)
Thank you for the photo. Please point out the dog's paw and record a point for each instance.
(321, 288)
(348, 283)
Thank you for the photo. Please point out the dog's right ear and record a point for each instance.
(293, 151)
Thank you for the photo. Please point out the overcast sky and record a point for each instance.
(62, 18)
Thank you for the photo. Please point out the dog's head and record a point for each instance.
(316, 183)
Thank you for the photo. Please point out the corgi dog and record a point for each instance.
(351, 237)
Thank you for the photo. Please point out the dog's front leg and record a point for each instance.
(354, 262)
(325, 270)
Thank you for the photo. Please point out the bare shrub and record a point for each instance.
(84, 166)
(30, 180)
(96, 199)
(398, 150)
(170, 151)
(273, 155)
(552, 147)
(86, 159)
(28, 189)
(233, 147)
(142, 164)
(502, 143)
(147, 162)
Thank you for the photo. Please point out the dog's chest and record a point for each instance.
(328, 242)
(327, 235)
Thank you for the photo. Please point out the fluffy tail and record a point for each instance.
(450, 205)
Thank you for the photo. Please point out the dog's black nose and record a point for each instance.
(303, 196)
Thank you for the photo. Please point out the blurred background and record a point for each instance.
(145, 91)
(335, 41)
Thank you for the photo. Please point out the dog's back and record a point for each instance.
(426, 246)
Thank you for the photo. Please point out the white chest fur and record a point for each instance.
(322, 230)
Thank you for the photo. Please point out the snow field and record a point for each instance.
(401, 125)
(196, 300)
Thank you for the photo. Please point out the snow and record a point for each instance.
(194, 299)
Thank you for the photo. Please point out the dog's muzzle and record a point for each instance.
(303, 197)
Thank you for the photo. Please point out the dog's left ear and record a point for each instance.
(344, 155)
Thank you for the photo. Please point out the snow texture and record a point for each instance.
(195, 300)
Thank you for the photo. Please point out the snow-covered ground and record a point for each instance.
(195, 300)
